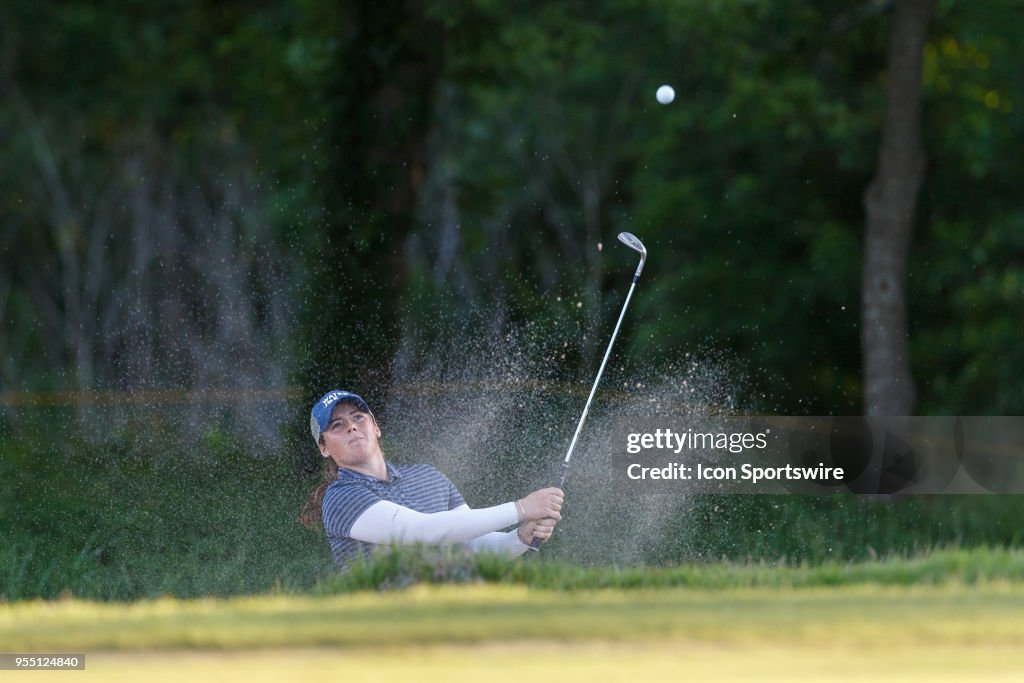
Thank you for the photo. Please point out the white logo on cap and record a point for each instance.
(331, 398)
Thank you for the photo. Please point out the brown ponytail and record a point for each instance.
(312, 513)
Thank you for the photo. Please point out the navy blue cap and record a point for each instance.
(320, 415)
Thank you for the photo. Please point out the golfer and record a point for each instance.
(366, 501)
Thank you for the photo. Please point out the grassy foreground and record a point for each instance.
(956, 616)
(478, 633)
(868, 616)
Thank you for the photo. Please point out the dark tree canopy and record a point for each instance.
(199, 194)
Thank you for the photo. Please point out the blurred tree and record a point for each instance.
(890, 202)
(551, 142)
(748, 189)
(380, 88)
(525, 186)
(140, 250)
(182, 183)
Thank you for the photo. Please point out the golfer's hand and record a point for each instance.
(539, 529)
(542, 504)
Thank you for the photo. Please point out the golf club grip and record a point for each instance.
(535, 542)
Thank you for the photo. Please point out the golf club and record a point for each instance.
(636, 245)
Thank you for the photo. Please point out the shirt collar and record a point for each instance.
(393, 474)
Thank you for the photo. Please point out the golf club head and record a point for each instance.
(634, 243)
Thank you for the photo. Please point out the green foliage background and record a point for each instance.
(321, 182)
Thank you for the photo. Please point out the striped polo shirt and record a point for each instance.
(419, 487)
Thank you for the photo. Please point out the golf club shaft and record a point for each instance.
(535, 542)
(597, 380)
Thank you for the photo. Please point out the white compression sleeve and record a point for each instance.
(387, 522)
(505, 543)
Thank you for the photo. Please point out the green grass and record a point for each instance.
(116, 523)
(411, 615)
(401, 567)
(433, 615)
(945, 596)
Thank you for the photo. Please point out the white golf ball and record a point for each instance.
(665, 94)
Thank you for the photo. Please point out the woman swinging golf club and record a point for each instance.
(366, 501)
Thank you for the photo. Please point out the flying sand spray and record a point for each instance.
(636, 245)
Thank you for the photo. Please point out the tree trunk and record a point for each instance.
(889, 202)
(382, 100)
